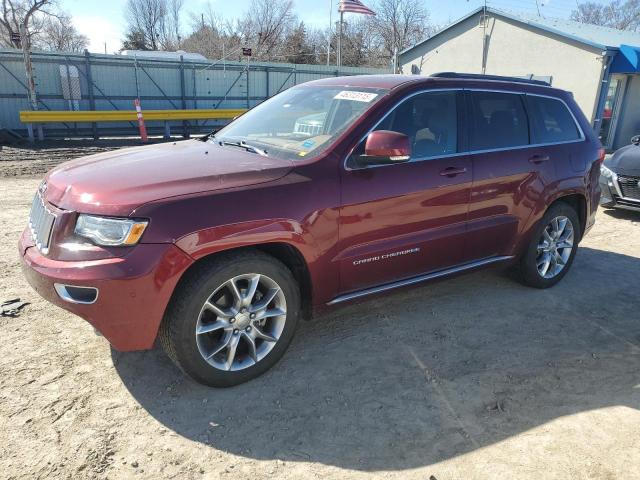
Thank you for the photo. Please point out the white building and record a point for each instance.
(600, 65)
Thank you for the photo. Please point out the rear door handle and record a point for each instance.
(539, 159)
(453, 171)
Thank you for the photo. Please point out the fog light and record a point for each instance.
(75, 294)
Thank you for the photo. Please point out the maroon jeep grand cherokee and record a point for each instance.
(327, 192)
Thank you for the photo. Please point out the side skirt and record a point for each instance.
(421, 278)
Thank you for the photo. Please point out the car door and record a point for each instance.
(401, 220)
(509, 173)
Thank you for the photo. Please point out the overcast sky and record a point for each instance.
(103, 20)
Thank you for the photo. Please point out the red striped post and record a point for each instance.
(143, 129)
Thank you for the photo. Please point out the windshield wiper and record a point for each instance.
(245, 145)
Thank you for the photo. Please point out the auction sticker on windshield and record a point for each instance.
(355, 96)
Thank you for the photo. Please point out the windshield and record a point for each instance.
(300, 122)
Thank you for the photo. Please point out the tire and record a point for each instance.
(530, 269)
(205, 300)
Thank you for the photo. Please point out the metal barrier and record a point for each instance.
(126, 115)
(30, 117)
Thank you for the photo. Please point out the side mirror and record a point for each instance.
(635, 140)
(386, 147)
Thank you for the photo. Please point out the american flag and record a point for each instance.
(354, 6)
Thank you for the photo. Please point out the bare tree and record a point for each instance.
(297, 48)
(212, 35)
(276, 34)
(616, 14)
(266, 24)
(399, 24)
(170, 25)
(144, 17)
(153, 24)
(27, 14)
(59, 34)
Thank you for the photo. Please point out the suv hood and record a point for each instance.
(115, 183)
(625, 161)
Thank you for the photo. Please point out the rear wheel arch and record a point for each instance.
(550, 250)
(578, 202)
(574, 199)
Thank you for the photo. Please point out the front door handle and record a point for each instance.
(539, 159)
(453, 171)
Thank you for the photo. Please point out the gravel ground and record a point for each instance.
(475, 377)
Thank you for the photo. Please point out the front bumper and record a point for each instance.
(612, 196)
(133, 290)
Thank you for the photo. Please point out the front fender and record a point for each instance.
(225, 237)
(300, 210)
(211, 241)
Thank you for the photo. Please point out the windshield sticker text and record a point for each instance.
(355, 96)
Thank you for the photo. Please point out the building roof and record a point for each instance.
(593, 35)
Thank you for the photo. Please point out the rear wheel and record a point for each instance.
(552, 248)
(232, 318)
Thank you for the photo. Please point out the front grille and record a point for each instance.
(630, 187)
(41, 223)
(627, 203)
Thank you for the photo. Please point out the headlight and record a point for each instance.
(607, 173)
(110, 232)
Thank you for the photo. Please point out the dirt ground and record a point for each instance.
(476, 377)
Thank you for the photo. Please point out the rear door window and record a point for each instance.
(498, 120)
(551, 120)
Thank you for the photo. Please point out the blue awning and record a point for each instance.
(627, 60)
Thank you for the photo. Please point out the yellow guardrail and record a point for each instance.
(126, 115)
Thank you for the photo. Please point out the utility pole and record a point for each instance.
(484, 38)
(31, 84)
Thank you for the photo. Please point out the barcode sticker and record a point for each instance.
(355, 96)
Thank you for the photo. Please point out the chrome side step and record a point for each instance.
(422, 278)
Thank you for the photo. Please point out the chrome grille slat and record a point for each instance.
(629, 186)
(41, 222)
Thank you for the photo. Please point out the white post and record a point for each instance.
(339, 56)
(329, 39)
(395, 60)
(31, 84)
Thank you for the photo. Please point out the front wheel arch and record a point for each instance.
(178, 337)
(289, 255)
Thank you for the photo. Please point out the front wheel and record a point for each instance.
(552, 248)
(231, 319)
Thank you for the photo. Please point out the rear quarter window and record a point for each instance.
(551, 120)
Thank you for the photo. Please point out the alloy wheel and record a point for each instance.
(241, 322)
(555, 247)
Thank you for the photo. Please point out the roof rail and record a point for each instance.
(499, 78)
